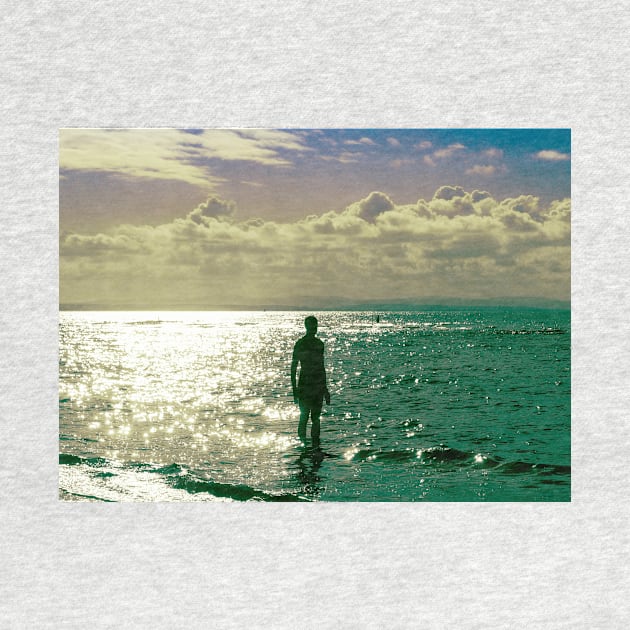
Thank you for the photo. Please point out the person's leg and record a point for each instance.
(304, 412)
(316, 411)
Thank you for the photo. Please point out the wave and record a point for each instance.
(97, 471)
(518, 467)
(74, 460)
(445, 455)
(99, 479)
(66, 495)
(237, 492)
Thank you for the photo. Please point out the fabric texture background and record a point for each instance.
(305, 64)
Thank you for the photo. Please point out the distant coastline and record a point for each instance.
(337, 304)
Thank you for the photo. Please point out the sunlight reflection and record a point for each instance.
(350, 453)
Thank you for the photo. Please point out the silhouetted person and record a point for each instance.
(311, 389)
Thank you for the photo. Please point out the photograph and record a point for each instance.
(308, 315)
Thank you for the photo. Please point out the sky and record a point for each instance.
(211, 218)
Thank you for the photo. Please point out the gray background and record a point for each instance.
(307, 64)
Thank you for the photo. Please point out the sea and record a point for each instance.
(441, 404)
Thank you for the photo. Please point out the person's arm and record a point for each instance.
(326, 392)
(294, 364)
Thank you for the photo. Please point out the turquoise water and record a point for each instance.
(435, 405)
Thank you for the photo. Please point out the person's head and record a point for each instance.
(311, 324)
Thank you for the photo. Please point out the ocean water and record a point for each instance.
(434, 405)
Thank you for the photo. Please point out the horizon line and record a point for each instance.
(349, 306)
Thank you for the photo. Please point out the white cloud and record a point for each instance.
(171, 153)
(401, 162)
(255, 184)
(345, 157)
(479, 195)
(448, 151)
(449, 192)
(459, 150)
(425, 144)
(393, 142)
(456, 244)
(213, 207)
(552, 156)
(374, 204)
(493, 153)
(485, 170)
(360, 141)
(444, 153)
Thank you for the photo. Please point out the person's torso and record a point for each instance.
(310, 353)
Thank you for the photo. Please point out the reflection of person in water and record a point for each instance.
(311, 389)
(309, 463)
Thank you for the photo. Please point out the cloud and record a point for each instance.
(458, 244)
(364, 141)
(448, 151)
(479, 195)
(94, 245)
(486, 170)
(171, 153)
(213, 207)
(393, 142)
(443, 154)
(552, 156)
(401, 162)
(374, 204)
(346, 157)
(491, 158)
(249, 183)
(449, 192)
(425, 144)
(493, 153)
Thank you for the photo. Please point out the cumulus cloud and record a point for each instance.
(393, 142)
(458, 244)
(94, 245)
(374, 204)
(552, 156)
(213, 207)
(479, 195)
(449, 192)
